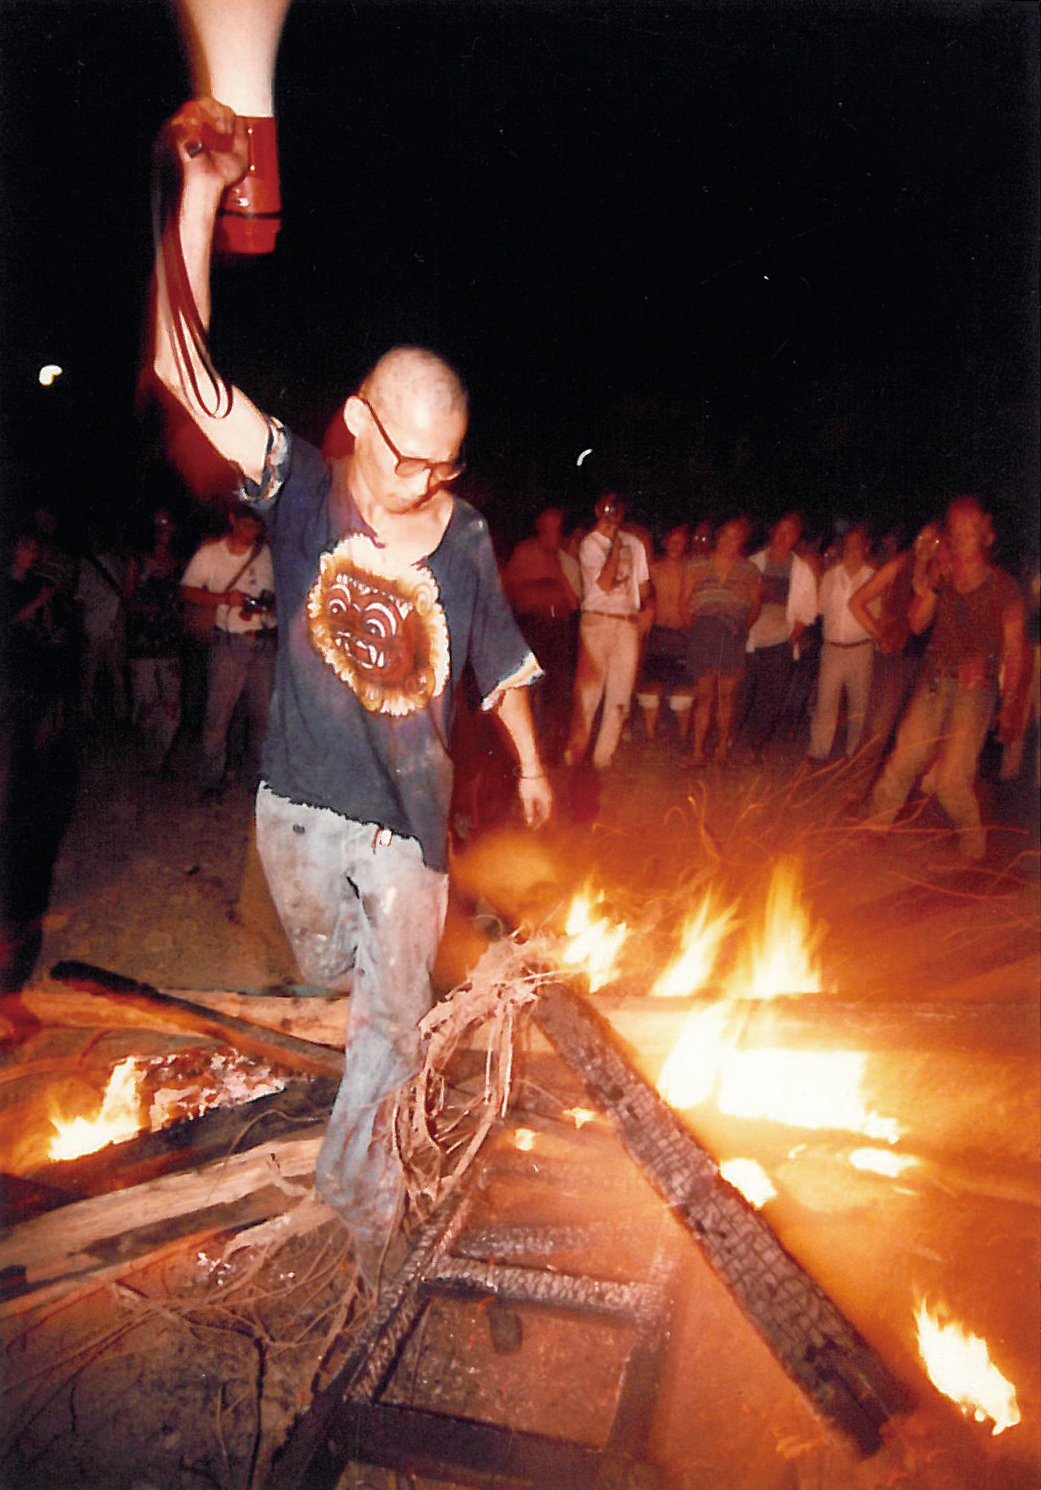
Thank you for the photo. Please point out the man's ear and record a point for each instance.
(352, 413)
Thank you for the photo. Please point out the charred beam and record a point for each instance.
(806, 1331)
(518, 1285)
(489, 1455)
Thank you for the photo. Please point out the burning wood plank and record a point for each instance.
(807, 1333)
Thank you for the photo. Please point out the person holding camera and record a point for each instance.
(230, 583)
(972, 672)
(616, 587)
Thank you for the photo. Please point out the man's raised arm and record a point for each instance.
(210, 145)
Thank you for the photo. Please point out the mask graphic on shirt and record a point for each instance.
(380, 627)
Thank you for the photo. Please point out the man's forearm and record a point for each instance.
(515, 714)
(211, 149)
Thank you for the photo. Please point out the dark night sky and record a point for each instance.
(752, 255)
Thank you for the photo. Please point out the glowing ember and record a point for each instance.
(593, 942)
(524, 1139)
(703, 936)
(882, 1161)
(580, 1115)
(960, 1367)
(750, 1179)
(118, 1120)
(782, 961)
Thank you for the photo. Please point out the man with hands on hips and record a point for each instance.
(386, 587)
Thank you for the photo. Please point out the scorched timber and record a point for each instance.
(181, 1016)
(805, 1330)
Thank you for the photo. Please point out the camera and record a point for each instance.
(259, 605)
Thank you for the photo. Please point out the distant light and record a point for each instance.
(582, 457)
(49, 373)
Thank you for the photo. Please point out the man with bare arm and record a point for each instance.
(386, 586)
(974, 612)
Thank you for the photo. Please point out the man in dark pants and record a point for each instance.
(789, 606)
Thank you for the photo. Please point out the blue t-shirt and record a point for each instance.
(369, 657)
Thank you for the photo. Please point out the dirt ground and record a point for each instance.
(186, 1372)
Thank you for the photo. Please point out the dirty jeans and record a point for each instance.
(950, 723)
(608, 653)
(363, 913)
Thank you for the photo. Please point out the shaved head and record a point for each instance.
(409, 378)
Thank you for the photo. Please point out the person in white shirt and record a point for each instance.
(234, 578)
(847, 654)
(615, 591)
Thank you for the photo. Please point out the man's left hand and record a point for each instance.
(536, 797)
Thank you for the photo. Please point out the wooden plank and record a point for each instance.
(70, 1242)
(126, 997)
(320, 1019)
(184, 1145)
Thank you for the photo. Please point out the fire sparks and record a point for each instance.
(960, 1367)
(524, 1140)
(703, 936)
(750, 1178)
(118, 1119)
(593, 942)
(782, 960)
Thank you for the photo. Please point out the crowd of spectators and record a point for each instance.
(813, 649)
(808, 649)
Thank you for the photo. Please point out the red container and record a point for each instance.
(251, 210)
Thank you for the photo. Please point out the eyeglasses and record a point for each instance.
(411, 465)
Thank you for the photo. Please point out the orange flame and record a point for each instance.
(593, 942)
(960, 1367)
(814, 1089)
(783, 959)
(702, 937)
(118, 1119)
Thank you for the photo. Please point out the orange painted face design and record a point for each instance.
(381, 629)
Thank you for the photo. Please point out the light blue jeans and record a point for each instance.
(946, 725)
(363, 913)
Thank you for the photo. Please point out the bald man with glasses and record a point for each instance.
(386, 587)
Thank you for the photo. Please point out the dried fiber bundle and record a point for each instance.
(439, 1128)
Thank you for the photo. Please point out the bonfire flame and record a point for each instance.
(960, 1367)
(702, 937)
(807, 1089)
(118, 1119)
(783, 959)
(594, 943)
